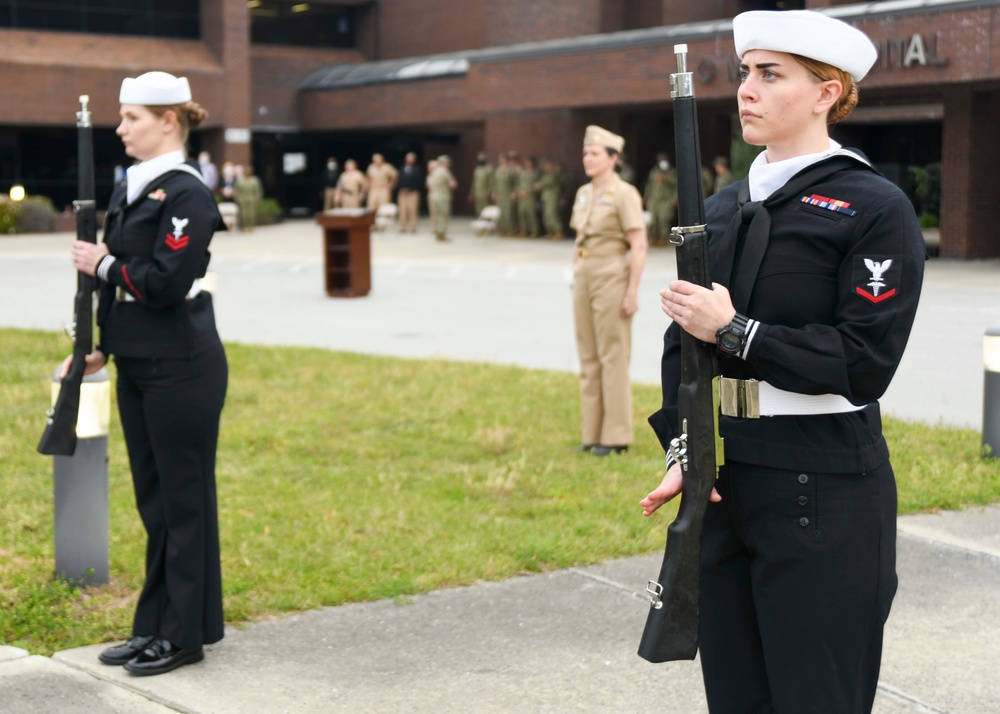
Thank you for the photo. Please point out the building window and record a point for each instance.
(303, 24)
(145, 18)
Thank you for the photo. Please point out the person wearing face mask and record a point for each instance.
(331, 174)
(818, 263)
(159, 325)
(660, 196)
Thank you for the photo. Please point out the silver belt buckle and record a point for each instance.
(739, 397)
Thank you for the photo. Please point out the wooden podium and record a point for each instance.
(347, 251)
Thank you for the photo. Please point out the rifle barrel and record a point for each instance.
(59, 437)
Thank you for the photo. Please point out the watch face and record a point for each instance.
(730, 342)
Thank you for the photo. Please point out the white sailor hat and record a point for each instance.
(155, 89)
(806, 33)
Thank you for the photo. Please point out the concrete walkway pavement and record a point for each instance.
(497, 300)
(563, 641)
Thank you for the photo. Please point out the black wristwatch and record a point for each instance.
(732, 338)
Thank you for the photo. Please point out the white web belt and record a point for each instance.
(751, 399)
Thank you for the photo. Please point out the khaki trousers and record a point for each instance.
(409, 206)
(329, 198)
(604, 344)
(377, 197)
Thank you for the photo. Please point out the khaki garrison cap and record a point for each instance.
(596, 136)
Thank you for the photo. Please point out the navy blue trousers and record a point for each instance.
(170, 410)
(798, 572)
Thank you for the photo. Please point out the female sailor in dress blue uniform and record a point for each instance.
(818, 262)
(172, 373)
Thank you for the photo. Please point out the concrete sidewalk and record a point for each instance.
(563, 641)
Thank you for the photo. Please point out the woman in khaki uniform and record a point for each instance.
(608, 258)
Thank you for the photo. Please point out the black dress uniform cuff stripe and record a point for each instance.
(104, 266)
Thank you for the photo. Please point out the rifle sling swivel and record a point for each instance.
(655, 592)
(677, 233)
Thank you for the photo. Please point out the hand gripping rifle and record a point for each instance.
(59, 438)
(671, 631)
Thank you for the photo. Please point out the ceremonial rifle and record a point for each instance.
(59, 437)
(671, 631)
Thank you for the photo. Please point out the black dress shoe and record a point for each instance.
(162, 656)
(583, 447)
(123, 653)
(605, 450)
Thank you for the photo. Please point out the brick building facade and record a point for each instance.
(462, 76)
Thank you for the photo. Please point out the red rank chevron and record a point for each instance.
(177, 243)
(871, 298)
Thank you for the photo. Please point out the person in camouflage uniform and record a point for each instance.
(549, 188)
(441, 183)
(660, 196)
(482, 189)
(707, 182)
(723, 176)
(503, 187)
(527, 200)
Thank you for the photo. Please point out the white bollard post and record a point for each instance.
(991, 391)
(81, 488)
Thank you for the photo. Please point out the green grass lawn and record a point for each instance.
(347, 477)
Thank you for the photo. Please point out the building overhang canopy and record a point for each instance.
(457, 63)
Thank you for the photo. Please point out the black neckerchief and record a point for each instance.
(745, 240)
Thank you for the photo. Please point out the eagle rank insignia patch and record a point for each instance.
(876, 279)
(178, 240)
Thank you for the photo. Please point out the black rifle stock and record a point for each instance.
(59, 437)
(671, 631)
